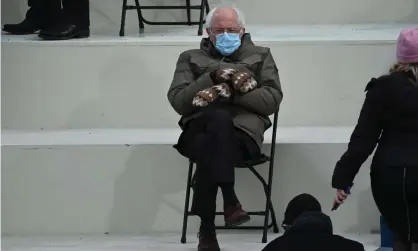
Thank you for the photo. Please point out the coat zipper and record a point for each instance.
(406, 205)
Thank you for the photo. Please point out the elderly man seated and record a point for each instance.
(224, 92)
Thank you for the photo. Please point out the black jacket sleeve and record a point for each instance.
(364, 137)
(274, 245)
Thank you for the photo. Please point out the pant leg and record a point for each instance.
(77, 12)
(44, 11)
(412, 198)
(204, 190)
(396, 198)
(210, 141)
(247, 150)
(224, 153)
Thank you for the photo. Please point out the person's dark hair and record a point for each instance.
(299, 205)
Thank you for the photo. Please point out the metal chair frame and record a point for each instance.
(266, 185)
(204, 5)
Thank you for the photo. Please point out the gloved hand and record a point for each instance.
(243, 82)
(204, 97)
(222, 75)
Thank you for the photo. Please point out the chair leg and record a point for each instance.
(271, 208)
(188, 12)
(201, 18)
(123, 19)
(140, 17)
(269, 204)
(186, 203)
(273, 219)
(268, 201)
(207, 6)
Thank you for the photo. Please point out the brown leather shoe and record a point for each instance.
(235, 216)
(208, 242)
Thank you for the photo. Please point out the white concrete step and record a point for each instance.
(140, 189)
(155, 136)
(163, 242)
(112, 82)
(105, 14)
(133, 181)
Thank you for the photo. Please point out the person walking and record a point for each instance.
(389, 119)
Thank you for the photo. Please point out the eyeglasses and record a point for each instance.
(217, 31)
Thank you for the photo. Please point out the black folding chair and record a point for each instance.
(266, 185)
(204, 5)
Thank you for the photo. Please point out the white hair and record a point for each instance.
(209, 17)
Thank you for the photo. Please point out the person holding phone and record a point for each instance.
(389, 119)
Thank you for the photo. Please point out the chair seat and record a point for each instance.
(254, 162)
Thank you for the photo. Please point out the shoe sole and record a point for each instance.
(20, 33)
(239, 221)
(79, 35)
(202, 249)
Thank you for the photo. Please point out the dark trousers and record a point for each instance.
(395, 191)
(216, 146)
(75, 12)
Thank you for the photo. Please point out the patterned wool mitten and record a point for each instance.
(243, 82)
(222, 75)
(204, 97)
(223, 90)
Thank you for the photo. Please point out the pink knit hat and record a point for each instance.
(407, 46)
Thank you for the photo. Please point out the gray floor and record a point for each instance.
(228, 242)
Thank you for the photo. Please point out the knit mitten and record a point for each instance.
(243, 82)
(209, 95)
(222, 75)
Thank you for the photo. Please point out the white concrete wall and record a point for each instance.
(105, 14)
(123, 84)
(74, 91)
(140, 189)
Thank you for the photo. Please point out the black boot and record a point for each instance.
(41, 14)
(74, 23)
(207, 240)
(24, 28)
(64, 32)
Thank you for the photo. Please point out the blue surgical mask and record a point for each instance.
(228, 43)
